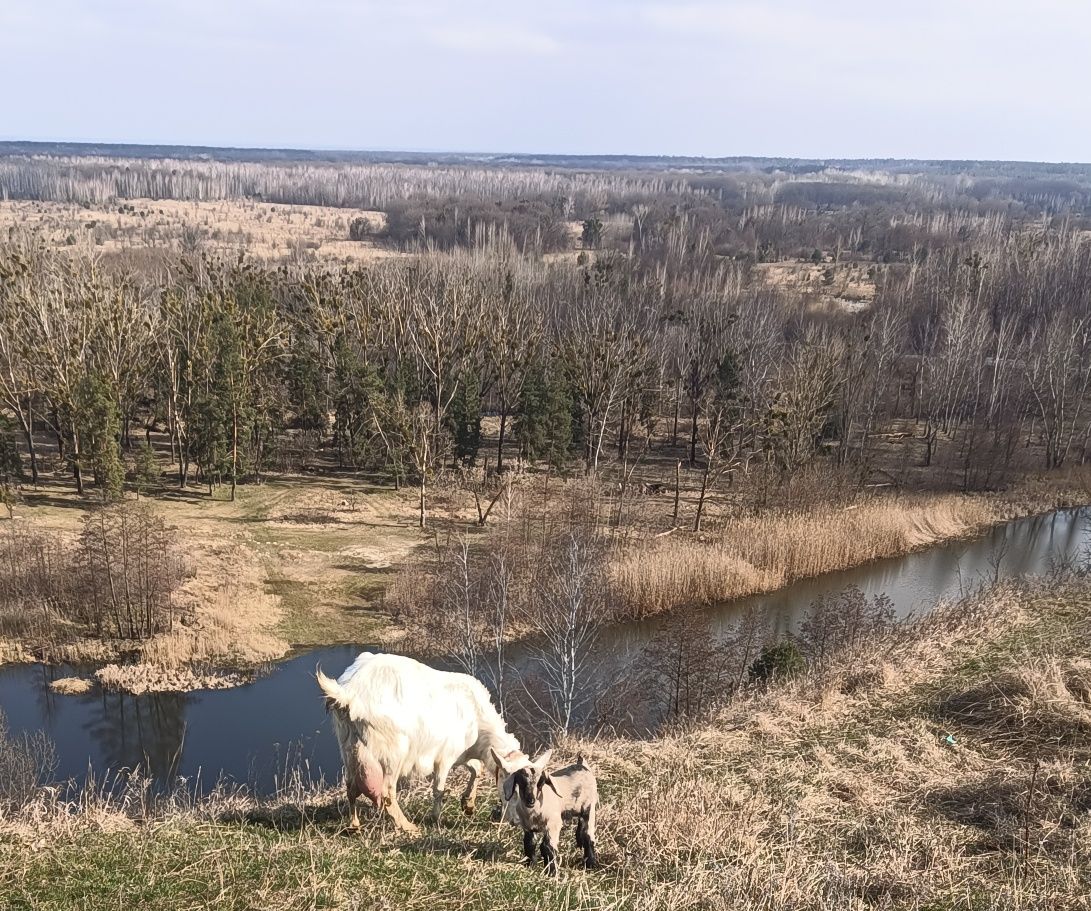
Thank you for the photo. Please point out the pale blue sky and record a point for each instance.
(845, 78)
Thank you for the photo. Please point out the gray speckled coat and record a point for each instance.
(540, 802)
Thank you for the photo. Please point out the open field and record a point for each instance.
(828, 287)
(946, 767)
(285, 565)
(264, 230)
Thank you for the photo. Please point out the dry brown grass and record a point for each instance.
(759, 554)
(263, 230)
(158, 678)
(71, 686)
(261, 582)
(814, 797)
(826, 287)
(230, 620)
(855, 790)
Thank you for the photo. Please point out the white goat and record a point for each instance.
(541, 801)
(395, 717)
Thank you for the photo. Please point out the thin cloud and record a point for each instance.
(495, 39)
(936, 78)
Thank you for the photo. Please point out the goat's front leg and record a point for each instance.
(550, 843)
(439, 786)
(469, 796)
(352, 789)
(394, 810)
(529, 848)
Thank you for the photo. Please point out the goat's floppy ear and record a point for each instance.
(509, 787)
(503, 771)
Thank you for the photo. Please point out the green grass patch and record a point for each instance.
(243, 866)
(316, 615)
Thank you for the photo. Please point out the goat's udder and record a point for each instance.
(368, 776)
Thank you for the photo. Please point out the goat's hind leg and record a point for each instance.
(354, 815)
(355, 781)
(439, 787)
(585, 839)
(581, 833)
(469, 796)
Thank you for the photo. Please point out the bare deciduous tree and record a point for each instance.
(572, 595)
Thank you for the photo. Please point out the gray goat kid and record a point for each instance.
(542, 801)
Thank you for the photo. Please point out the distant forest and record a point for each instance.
(757, 320)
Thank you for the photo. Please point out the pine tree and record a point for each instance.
(592, 234)
(11, 465)
(98, 423)
(304, 382)
(358, 391)
(146, 472)
(464, 418)
(544, 426)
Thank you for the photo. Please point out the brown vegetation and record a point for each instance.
(755, 554)
(924, 766)
(139, 228)
(758, 374)
(257, 586)
(117, 580)
(71, 686)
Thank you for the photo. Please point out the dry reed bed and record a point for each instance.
(758, 554)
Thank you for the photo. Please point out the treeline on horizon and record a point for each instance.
(887, 190)
(979, 167)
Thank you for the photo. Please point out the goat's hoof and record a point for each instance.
(468, 809)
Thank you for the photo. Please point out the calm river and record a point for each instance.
(253, 733)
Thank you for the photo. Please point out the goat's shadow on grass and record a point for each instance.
(458, 838)
(287, 819)
(450, 844)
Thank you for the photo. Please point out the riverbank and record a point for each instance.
(284, 568)
(290, 563)
(755, 555)
(943, 768)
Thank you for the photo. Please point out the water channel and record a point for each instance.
(255, 733)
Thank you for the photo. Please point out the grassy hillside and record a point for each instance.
(947, 768)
